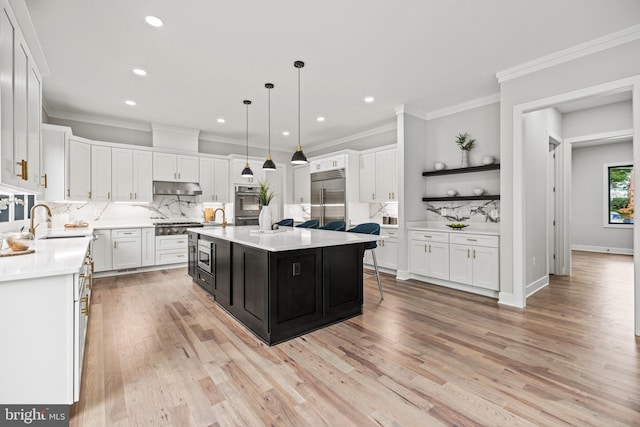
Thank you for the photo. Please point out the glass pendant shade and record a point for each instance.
(268, 164)
(247, 172)
(298, 157)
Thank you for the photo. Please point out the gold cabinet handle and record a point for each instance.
(472, 240)
(44, 177)
(85, 301)
(474, 254)
(429, 248)
(23, 169)
(468, 253)
(425, 248)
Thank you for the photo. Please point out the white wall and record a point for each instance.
(598, 68)
(590, 121)
(588, 198)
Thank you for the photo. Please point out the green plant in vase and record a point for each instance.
(465, 143)
(264, 198)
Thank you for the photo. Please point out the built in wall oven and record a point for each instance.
(246, 207)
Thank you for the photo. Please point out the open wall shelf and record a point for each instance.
(461, 198)
(470, 169)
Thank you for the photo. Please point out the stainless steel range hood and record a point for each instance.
(168, 188)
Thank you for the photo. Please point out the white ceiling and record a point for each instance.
(211, 55)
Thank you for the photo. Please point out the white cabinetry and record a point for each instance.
(475, 260)
(175, 167)
(78, 170)
(329, 163)
(214, 180)
(54, 162)
(387, 250)
(171, 249)
(429, 252)
(131, 179)
(20, 106)
(100, 173)
(302, 184)
(127, 248)
(379, 176)
(102, 250)
(148, 247)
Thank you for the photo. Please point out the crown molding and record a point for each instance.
(464, 106)
(405, 109)
(584, 49)
(99, 120)
(371, 132)
(175, 129)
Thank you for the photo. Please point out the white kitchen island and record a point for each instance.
(282, 284)
(44, 308)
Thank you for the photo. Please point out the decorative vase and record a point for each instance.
(264, 220)
(465, 158)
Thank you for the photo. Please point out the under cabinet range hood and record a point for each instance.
(169, 188)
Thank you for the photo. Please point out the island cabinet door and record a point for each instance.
(250, 273)
(222, 262)
(342, 271)
(295, 291)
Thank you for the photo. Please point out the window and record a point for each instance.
(619, 197)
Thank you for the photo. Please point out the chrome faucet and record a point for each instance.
(32, 229)
(224, 217)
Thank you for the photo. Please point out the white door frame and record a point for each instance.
(519, 262)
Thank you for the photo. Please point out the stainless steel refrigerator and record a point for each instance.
(328, 196)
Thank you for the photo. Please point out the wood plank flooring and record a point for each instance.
(160, 352)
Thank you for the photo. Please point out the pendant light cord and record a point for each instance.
(299, 108)
(247, 133)
(269, 118)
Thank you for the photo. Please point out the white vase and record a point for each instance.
(465, 158)
(265, 218)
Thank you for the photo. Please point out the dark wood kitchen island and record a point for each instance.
(281, 284)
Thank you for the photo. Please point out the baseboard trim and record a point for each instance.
(602, 249)
(534, 287)
(109, 273)
(508, 299)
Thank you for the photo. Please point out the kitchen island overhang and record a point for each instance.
(283, 284)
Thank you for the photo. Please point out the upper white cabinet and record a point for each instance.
(379, 176)
(20, 107)
(100, 173)
(132, 173)
(302, 184)
(214, 180)
(175, 167)
(54, 162)
(328, 163)
(78, 162)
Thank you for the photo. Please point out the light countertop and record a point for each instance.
(474, 228)
(286, 238)
(52, 257)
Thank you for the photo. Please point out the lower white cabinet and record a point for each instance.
(386, 252)
(171, 249)
(148, 247)
(102, 250)
(126, 248)
(475, 260)
(429, 253)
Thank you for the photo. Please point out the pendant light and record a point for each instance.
(298, 157)
(268, 164)
(247, 172)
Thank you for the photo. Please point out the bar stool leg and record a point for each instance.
(375, 264)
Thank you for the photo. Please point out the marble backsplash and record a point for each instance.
(469, 211)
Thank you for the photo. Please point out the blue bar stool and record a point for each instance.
(370, 228)
(334, 226)
(287, 222)
(312, 223)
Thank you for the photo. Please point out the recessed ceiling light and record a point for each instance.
(368, 99)
(320, 119)
(285, 133)
(139, 72)
(130, 102)
(153, 21)
(220, 120)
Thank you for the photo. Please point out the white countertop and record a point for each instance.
(52, 257)
(288, 239)
(473, 228)
(55, 233)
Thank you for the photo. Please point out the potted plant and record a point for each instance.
(264, 198)
(465, 143)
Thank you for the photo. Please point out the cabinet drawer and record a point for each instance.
(126, 232)
(474, 239)
(390, 232)
(430, 236)
(171, 256)
(171, 242)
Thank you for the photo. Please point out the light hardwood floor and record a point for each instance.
(160, 352)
